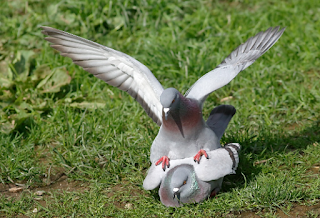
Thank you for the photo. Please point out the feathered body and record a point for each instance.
(184, 133)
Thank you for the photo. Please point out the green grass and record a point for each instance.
(56, 118)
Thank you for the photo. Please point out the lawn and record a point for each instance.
(73, 146)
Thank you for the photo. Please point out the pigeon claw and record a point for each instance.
(214, 193)
(165, 162)
(197, 157)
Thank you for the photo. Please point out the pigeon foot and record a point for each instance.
(197, 157)
(165, 162)
(214, 193)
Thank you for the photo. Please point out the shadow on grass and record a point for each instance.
(265, 146)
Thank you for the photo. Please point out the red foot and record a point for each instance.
(165, 162)
(213, 193)
(197, 157)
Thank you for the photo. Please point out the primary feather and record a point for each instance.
(113, 67)
(241, 58)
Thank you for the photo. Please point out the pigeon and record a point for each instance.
(183, 131)
(189, 182)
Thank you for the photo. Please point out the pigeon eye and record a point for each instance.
(173, 101)
(184, 182)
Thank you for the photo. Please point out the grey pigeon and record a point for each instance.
(189, 182)
(183, 132)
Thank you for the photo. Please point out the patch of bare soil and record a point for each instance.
(315, 169)
(297, 211)
(61, 184)
(124, 194)
(301, 211)
(293, 126)
(55, 179)
(42, 193)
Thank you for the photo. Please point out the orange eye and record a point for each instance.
(184, 182)
(173, 101)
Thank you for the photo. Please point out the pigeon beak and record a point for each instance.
(166, 112)
(175, 192)
(175, 117)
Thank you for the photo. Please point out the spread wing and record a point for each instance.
(238, 60)
(113, 67)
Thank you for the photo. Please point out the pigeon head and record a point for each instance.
(170, 99)
(180, 179)
(179, 186)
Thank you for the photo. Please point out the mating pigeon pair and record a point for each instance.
(183, 132)
(188, 181)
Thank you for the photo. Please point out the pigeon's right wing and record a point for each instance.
(241, 58)
(113, 67)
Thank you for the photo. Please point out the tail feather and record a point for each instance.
(219, 118)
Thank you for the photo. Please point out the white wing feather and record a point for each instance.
(238, 60)
(113, 67)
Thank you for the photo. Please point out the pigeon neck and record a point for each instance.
(188, 115)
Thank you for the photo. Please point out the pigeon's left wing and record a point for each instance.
(113, 67)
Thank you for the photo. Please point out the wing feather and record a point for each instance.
(241, 58)
(113, 67)
(112, 71)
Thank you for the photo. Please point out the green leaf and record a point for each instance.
(40, 73)
(22, 64)
(5, 75)
(89, 105)
(54, 81)
(5, 83)
(14, 121)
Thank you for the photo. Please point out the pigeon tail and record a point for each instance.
(219, 119)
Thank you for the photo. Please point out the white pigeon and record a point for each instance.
(183, 131)
(189, 182)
